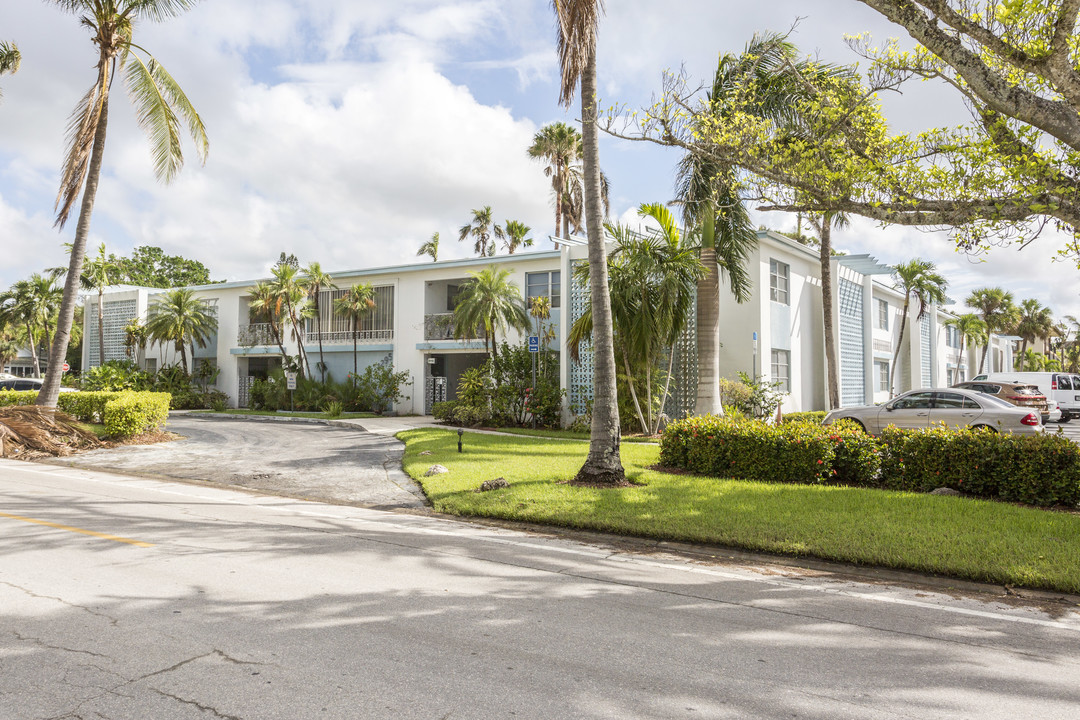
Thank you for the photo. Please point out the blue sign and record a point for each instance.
(534, 343)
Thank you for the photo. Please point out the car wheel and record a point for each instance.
(991, 428)
(1065, 417)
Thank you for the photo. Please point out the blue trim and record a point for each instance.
(452, 345)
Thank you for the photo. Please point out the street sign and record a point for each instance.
(66, 367)
(290, 380)
(534, 343)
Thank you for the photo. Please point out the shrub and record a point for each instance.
(218, 404)
(114, 376)
(815, 416)
(332, 408)
(378, 388)
(444, 411)
(132, 413)
(86, 406)
(18, 397)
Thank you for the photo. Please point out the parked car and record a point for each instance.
(1019, 394)
(953, 406)
(1064, 388)
(27, 384)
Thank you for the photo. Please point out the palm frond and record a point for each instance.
(154, 115)
(82, 131)
(576, 24)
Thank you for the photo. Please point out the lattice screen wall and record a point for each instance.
(118, 314)
(581, 372)
(924, 350)
(852, 352)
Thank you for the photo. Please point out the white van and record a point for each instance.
(1061, 387)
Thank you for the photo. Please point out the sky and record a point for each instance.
(349, 131)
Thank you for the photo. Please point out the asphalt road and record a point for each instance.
(241, 606)
(297, 459)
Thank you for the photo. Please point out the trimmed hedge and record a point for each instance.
(812, 416)
(1034, 469)
(123, 413)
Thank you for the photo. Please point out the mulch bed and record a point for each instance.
(28, 432)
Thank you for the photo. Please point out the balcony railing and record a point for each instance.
(255, 334)
(440, 326)
(346, 336)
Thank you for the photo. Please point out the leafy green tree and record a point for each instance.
(577, 22)
(158, 101)
(653, 280)
(149, 266)
(357, 303)
(316, 281)
(430, 248)
(10, 58)
(1035, 322)
(514, 235)
(480, 230)
(180, 318)
(920, 280)
(490, 300)
(972, 329)
(995, 305)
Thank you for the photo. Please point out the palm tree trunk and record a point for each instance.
(986, 353)
(633, 393)
(831, 370)
(1023, 353)
(355, 362)
(603, 466)
(33, 349)
(708, 328)
(664, 395)
(50, 389)
(960, 357)
(560, 181)
(183, 355)
(896, 354)
(101, 325)
(318, 329)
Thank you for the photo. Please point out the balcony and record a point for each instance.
(440, 326)
(346, 336)
(255, 334)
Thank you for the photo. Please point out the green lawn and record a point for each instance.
(271, 413)
(567, 434)
(960, 537)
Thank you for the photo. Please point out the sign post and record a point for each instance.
(534, 348)
(290, 384)
(755, 356)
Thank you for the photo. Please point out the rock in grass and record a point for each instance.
(493, 484)
(945, 491)
(436, 470)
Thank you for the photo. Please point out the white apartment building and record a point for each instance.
(778, 334)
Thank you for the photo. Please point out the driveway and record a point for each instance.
(342, 464)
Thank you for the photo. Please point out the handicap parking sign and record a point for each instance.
(534, 343)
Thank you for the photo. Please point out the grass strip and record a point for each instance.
(568, 434)
(271, 413)
(960, 537)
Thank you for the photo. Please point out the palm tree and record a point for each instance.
(479, 229)
(919, 279)
(431, 247)
(45, 298)
(559, 145)
(9, 61)
(291, 291)
(357, 302)
(99, 274)
(177, 316)
(266, 304)
(996, 307)
(16, 309)
(491, 301)
(158, 100)
(1035, 321)
(653, 280)
(971, 327)
(574, 199)
(513, 234)
(577, 22)
(317, 281)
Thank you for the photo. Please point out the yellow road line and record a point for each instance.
(104, 536)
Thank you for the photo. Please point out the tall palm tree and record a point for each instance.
(996, 307)
(180, 318)
(514, 235)
(291, 291)
(574, 199)
(559, 145)
(492, 301)
(917, 279)
(158, 101)
(1035, 322)
(357, 302)
(266, 304)
(577, 22)
(99, 274)
(480, 230)
(971, 328)
(431, 247)
(653, 280)
(45, 298)
(9, 60)
(16, 309)
(316, 281)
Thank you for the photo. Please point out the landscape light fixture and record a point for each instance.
(460, 432)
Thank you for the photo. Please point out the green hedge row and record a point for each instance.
(813, 416)
(1035, 469)
(123, 413)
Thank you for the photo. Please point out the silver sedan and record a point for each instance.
(954, 407)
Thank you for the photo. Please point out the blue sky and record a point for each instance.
(348, 131)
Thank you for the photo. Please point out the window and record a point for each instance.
(948, 401)
(883, 314)
(781, 369)
(881, 369)
(779, 278)
(1063, 382)
(543, 284)
(952, 336)
(151, 365)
